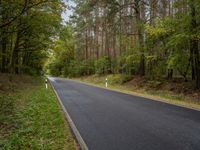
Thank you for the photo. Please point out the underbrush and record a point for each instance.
(118, 78)
(111, 78)
(30, 118)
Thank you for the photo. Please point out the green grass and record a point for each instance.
(32, 119)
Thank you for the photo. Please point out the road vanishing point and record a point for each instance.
(109, 120)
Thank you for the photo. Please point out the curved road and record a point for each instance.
(108, 120)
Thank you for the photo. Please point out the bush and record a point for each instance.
(128, 64)
(125, 78)
(102, 65)
(76, 69)
(55, 69)
(114, 79)
(119, 78)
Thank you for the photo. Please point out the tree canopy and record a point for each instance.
(28, 29)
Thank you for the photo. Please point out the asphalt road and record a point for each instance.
(109, 120)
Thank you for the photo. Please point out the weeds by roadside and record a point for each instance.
(32, 119)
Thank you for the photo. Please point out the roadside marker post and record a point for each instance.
(106, 82)
(46, 84)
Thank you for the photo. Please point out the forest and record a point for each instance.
(155, 39)
(151, 38)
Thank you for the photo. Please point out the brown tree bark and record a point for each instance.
(3, 52)
(86, 44)
(141, 70)
(164, 8)
(97, 32)
(194, 45)
(15, 56)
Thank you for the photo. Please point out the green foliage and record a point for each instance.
(179, 62)
(62, 58)
(102, 65)
(30, 27)
(54, 69)
(161, 28)
(76, 69)
(169, 44)
(119, 78)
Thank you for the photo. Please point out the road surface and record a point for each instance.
(109, 120)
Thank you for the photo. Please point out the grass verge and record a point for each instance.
(30, 118)
(145, 90)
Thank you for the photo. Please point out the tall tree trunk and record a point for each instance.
(97, 32)
(86, 44)
(107, 46)
(164, 6)
(140, 37)
(192, 60)
(3, 42)
(15, 56)
(153, 11)
(169, 7)
(194, 44)
(3, 52)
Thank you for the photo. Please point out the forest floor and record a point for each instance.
(30, 116)
(175, 91)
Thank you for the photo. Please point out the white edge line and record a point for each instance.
(80, 140)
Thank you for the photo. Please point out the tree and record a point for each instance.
(27, 30)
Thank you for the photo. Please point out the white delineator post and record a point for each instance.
(46, 84)
(106, 82)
